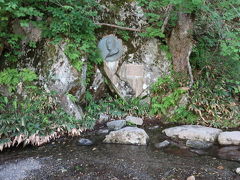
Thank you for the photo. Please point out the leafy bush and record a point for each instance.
(116, 107)
(166, 96)
(215, 96)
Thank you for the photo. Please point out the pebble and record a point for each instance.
(238, 170)
(162, 144)
(103, 131)
(220, 167)
(85, 142)
(191, 178)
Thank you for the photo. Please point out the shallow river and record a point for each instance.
(65, 159)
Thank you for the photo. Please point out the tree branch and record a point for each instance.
(119, 27)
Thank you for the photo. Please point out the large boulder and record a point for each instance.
(128, 135)
(133, 65)
(229, 138)
(193, 132)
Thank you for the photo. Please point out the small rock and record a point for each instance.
(229, 138)
(63, 170)
(103, 118)
(198, 144)
(116, 125)
(230, 153)
(102, 131)
(128, 135)
(238, 170)
(191, 178)
(199, 151)
(134, 120)
(220, 167)
(193, 132)
(162, 144)
(85, 142)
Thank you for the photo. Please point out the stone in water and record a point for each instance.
(85, 142)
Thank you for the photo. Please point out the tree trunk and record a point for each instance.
(180, 43)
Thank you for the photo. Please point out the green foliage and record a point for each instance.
(122, 33)
(216, 99)
(215, 59)
(115, 107)
(165, 94)
(28, 110)
(218, 21)
(60, 20)
(165, 98)
(215, 21)
(12, 77)
(153, 32)
(183, 115)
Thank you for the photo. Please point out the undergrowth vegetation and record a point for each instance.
(170, 101)
(116, 107)
(28, 114)
(214, 98)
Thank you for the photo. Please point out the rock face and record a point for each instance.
(103, 118)
(57, 74)
(133, 74)
(62, 75)
(70, 107)
(116, 125)
(128, 135)
(198, 144)
(62, 78)
(193, 132)
(133, 65)
(229, 138)
(134, 120)
(102, 131)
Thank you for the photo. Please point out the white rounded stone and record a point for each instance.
(229, 138)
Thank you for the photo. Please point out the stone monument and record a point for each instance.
(111, 48)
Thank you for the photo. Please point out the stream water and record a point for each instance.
(65, 159)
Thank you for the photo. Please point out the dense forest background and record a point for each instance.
(200, 37)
